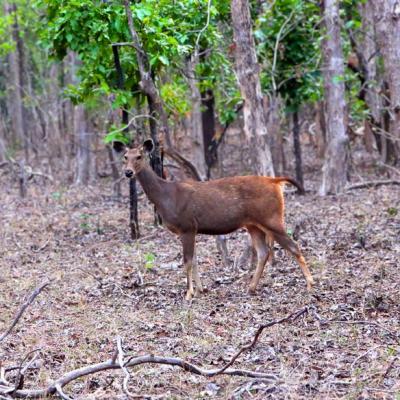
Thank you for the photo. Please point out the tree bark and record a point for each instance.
(334, 171)
(387, 23)
(247, 68)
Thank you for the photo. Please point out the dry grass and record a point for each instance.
(79, 238)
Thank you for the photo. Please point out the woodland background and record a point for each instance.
(308, 89)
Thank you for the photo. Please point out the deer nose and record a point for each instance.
(128, 173)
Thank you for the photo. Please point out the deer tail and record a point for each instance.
(282, 179)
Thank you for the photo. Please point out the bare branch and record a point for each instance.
(291, 317)
(28, 302)
(369, 184)
(121, 363)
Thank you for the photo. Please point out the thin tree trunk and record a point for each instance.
(133, 198)
(2, 148)
(196, 121)
(275, 133)
(208, 121)
(83, 156)
(365, 46)
(247, 68)
(15, 96)
(387, 23)
(297, 148)
(334, 172)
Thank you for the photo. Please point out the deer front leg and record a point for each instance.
(188, 242)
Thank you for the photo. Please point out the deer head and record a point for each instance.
(134, 158)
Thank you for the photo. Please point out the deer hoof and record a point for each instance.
(199, 290)
(189, 295)
(310, 283)
(252, 290)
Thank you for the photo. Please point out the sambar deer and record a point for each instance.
(218, 207)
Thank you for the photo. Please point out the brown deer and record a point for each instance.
(218, 207)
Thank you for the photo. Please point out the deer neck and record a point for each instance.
(153, 186)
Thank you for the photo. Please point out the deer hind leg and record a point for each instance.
(269, 237)
(284, 240)
(188, 242)
(196, 275)
(259, 242)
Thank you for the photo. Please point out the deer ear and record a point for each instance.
(148, 145)
(118, 147)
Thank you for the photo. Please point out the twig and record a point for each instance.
(389, 167)
(121, 363)
(291, 317)
(61, 393)
(19, 381)
(369, 184)
(31, 298)
(389, 368)
(41, 247)
(203, 29)
(323, 321)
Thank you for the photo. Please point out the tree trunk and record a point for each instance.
(196, 121)
(275, 132)
(297, 148)
(2, 149)
(387, 23)
(334, 171)
(83, 156)
(15, 96)
(208, 121)
(247, 68)
(133, 198)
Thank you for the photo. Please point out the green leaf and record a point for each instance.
(116, 137)
(164, 60)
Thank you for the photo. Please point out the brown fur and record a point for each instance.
(219, 207)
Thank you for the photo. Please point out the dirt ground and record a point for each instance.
(79, 239)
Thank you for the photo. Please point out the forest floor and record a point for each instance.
(79, 239)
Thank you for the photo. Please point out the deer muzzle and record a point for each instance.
(128, 173)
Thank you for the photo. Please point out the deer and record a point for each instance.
(218, 207)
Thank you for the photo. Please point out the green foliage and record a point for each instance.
(6, 43)
(149, 259)
(288, 45)
(392, 211)
(175, 96)
(169, 32)
(117, 136)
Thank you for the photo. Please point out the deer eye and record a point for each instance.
(125, 158)
(138, 157)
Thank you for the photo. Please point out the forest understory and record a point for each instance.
(346, 345)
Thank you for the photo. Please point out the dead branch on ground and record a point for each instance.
(372, 184)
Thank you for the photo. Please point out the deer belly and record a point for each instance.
(218, 227)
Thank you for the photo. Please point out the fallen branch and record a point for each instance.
(113, 363)
(292, 317)
(117, 362)
(370, 184)
(28, 302)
